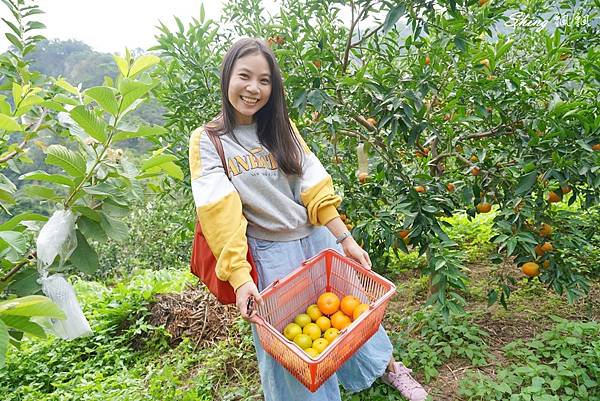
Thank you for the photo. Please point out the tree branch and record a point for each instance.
(32, 255)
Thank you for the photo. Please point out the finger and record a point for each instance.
(368, 260)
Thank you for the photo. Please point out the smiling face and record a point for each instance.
(249, 87)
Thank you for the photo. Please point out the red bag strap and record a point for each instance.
(216, 140)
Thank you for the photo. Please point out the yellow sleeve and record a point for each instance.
(219, 210)
(317, 193)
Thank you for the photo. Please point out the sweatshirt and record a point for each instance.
(257, 198)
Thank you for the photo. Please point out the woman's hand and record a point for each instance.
(242, 294)
(354, 251)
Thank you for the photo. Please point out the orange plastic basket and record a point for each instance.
(286, 298)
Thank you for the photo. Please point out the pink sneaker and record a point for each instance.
(401, 379)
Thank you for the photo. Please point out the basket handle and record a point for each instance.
(272, 285)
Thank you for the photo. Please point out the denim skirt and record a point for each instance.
(275, 260)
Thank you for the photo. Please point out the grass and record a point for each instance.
(489, 353)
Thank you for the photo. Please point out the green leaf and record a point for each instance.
(3, 343)
(9, 124)
(143, 63)
(72, 163)
(526, 182)
(84, 257)
(31, 305)
(15, 220)
(143, 131)
(132, 91)
(122, 64)
(173, 170)
(105, 97)
(41, 192)
(92, 125)
(393, 16)
(25, 325)
(115, 229)
(44, 176)
(14, 40)
(91, 229)
(25, 282)
(87, 212)
(67, 86)
(15, 240)
(157, 161)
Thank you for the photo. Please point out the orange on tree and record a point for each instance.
(348, 304)
(596, 147)
(566, 189)
(427, 60)
(420, 188)
(362, 177)
(475, 170)
(545, 230)
(372, 121)
(547, 247)
(538, 250)
(546, 264)
(329, 303)
(317, 63)
(553, 197)
(450, 187)
(340, 321)
(360, 309)
(474, 158)
(530, 269)
(485, 62)
(484, 207)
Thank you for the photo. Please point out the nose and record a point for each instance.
(252, 87)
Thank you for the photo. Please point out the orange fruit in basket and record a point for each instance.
(331, 334)
(320, 344)
(340, 321)
(358, 310)
(312, 330)
(314, 312)
(291, 330)
(348, 304)
(313, 353)
(323, 322)
(302, 319)
(303, 341)
(329, 303)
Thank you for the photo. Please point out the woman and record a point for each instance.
(278, 200)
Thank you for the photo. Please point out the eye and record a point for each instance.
(243, 76)
(266, 81)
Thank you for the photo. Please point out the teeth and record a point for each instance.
(249, 100)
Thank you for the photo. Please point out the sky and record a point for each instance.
(111, 25)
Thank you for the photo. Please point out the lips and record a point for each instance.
(249, 100)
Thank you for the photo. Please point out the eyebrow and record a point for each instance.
(244, 69)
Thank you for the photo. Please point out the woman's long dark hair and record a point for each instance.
(272, 122)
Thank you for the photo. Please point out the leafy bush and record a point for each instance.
(437, 341)
(160, 237)
(561, 364)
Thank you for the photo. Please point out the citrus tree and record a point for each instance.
(424, 109)
(85, 171)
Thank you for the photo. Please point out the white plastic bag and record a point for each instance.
(58, 237)
(62, 293)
